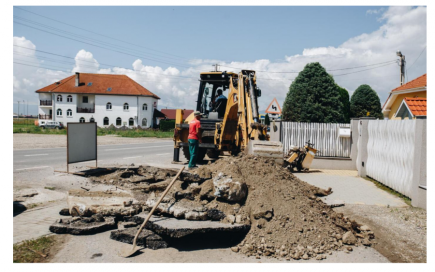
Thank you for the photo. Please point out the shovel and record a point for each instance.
(128, 251)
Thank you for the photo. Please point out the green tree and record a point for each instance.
(313, 97)
(266, 119)
(365, 100)
(345, 110)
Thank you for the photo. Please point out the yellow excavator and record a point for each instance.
(230, 123)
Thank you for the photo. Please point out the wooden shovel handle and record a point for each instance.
(155, 206)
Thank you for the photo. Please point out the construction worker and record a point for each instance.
(194, 139)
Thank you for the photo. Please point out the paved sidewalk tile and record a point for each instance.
(347, 187)
(35, 222)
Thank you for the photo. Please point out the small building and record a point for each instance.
(408, 100)
(102, 98)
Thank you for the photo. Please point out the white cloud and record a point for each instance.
(85, 62)
(375, 11)
(404, 28)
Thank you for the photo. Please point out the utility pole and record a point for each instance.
(402, 63)
(18, 114)
(216, 67)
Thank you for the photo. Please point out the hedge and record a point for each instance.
(166, 125)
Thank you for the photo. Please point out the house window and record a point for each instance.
(108, 106)
(69, 112)
(82, 120)
(69, 98)
(126, 106)
(92, 120)
(59, 98)
(145, 107)
(144, 122)
(118, 121)
(106, 121)
(131, 122)
(85, 99)
(59, 112)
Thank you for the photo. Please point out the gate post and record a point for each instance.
(363, 139)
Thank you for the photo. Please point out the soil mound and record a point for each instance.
(287, 219)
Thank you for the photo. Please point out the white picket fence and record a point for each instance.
(324, 137)
(390, 153)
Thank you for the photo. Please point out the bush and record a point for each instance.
(313, 97)
(365, 100)
(167, 125)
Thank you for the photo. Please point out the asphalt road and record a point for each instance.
(49, 157)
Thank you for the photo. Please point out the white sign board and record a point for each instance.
(344, 132)
(81, 142)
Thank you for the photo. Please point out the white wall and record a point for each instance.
(148, 114)
(134, 111)
(390, 153)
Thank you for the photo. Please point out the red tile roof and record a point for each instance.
(120, 84)
(415, 83)
(170, 113)
(417, 105)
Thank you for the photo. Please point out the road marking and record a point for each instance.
(31, 168)
(138, 147)
(162, 154)
(36, 155)
(131, 157)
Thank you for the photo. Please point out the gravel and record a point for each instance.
(401, 233)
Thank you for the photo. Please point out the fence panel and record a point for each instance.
(390, 153)
(324, 136)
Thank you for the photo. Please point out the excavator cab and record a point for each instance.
(230, 119)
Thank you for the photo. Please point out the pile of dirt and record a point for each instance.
(287, 218)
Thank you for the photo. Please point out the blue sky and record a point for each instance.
(262, 38)
(224, 33)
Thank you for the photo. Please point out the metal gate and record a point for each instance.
(324, 136)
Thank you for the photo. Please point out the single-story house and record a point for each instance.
(408, 100)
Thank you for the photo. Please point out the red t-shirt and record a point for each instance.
(193, 125)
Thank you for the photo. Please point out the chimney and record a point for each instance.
(77, 79)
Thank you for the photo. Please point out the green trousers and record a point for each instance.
(193, 150)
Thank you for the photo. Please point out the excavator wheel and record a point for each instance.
(201, 153)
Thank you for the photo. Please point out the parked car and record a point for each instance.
(51, 124)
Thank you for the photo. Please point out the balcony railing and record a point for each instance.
(45, 102)
(86, 110)
(45, 116)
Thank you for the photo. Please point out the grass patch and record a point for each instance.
(33, 251)
(389, 190)
(21, 127)
(50, 188)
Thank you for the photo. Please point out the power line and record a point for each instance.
(289, 72)
(81, 36)
(363, 70)
(109, 65)
(66, 71)
(125, 53)
(417, 57)
(96, 33)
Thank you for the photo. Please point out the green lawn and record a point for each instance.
(20, 126)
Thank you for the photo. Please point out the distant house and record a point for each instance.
(170, 113)
(408, 100)
(105, 99)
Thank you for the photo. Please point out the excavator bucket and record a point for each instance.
(271, 149)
